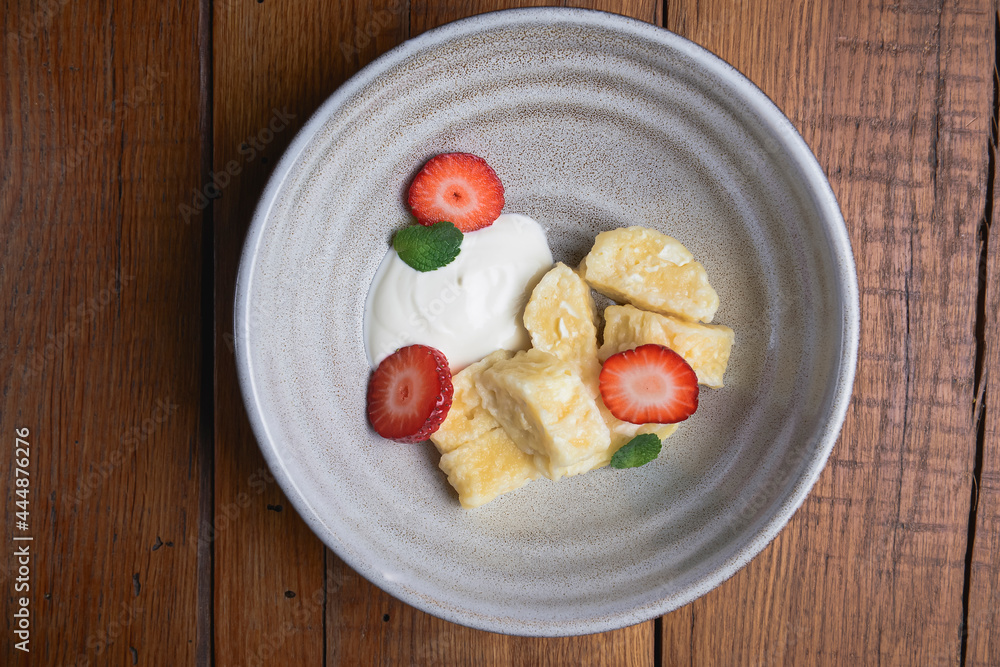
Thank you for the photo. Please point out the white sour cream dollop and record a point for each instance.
(467, 309)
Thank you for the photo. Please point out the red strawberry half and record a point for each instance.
(409, 394)
(459, 188)
(651, 384)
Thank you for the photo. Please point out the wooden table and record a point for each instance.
(158, 535)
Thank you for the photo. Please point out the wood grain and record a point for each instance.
(983, 627)
(367, 626)
(894, 100)
(427, 14)
(272, 69)
(98, 120)
(101, 217)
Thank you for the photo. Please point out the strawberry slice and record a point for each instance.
(409, 394)
(651, 384)
(459, 188)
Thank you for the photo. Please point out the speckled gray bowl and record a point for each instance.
(593, 121)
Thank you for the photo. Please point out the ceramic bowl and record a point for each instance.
(593, 121)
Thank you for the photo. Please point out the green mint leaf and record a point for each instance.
(428, 248)
(639, 451)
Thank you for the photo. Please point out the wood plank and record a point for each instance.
(100, 282)
(894, 99)
(272, 63)
(983, 626)
(427, 14)
(367, 626)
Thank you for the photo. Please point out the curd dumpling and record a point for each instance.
(705, 347)
(544, 407)
(481, 461)
(467, 418)
(561, 319)
(651, 271)
(487, 467)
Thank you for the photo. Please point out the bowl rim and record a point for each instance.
(773, 122)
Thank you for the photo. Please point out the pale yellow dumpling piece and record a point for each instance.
(562, 320)
(467, 419)
(652, 271)
(706, 347)
(487, 467)
(544, 407)
(481, 461)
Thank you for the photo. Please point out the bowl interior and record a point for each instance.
(592, 122)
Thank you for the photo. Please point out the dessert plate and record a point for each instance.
(593, 121)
